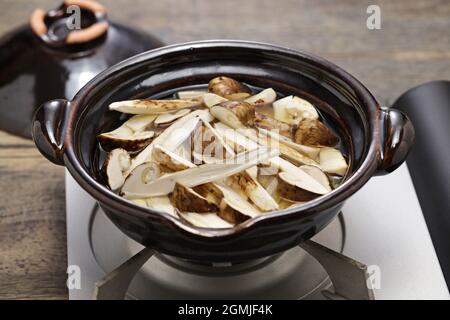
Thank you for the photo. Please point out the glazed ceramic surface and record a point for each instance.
(376, 141)
(34, 69)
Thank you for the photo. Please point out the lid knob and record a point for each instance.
(56, 29)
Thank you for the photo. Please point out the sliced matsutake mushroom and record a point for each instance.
(190, 94)
(242, 182)
(162, 204)
(167, 118)
(205, 220)
(170, 160)
(171, 138)
(285, 150)
(131, 135)
(153, 106)
(311, 152)
(312, 132)
(292, 110)
(236, 114)
(125, 138)
(211, 99)
(143, 174)
(265, 122)
(186, 199)
(229, 88)
(317, 174)
(209, 191)
(332, 161)
(140, 122)
(266, 96)
(209, 144)
(136, 187)
(300, 188)
(116, 164)
(234, 208)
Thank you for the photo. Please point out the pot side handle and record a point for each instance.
(49, 128)
(397, 138)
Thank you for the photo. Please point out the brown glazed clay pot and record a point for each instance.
(44, 60)
(377, 141)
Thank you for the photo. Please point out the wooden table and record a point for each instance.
(412, 47)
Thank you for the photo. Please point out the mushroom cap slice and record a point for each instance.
(117, 163)
(312, 132)
(131, 135)
(292, 109)
(264, 97)
(228, 87)
(205, 220)
(236, 114)
(186, 199)
(153, 106)
(332, 161)
(125, 138)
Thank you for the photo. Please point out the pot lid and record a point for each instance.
(58, 52)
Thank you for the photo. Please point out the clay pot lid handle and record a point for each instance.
(97, 29)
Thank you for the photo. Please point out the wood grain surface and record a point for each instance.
(412, 47)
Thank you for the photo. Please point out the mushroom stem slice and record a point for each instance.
(304, 182)
(140, 122)
(235, 209)
(243, 182)
(312, 132)
(190, 94)
(170, 160)
(311, 152)
(146, 154)
(264, 97)
(228, 87)
(318, 175)
(205, 220)
(332, 161)
(116, 164)
(265, 122)
(292, 109)
(166, 118)
(161, 204)
(186, 199)
(210, 191)
(286, 151)
(211, 99)
(236, 114)
(153, 106)
(134, 187)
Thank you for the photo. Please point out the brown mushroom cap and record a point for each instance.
(228, 88)
(187, 200)
(312, 132)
